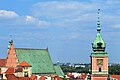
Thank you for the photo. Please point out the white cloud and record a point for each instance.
(29, 19)
(63, 9)
(11, 18)
(66, 13)
(37, 22)
(116, 26)
(78, 17)
(8, 14)
(72, 11)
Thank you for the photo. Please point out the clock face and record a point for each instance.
(99, 61)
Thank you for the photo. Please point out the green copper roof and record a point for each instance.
(58, 71)
(97, 40)
(100, 54)
(98, 43)
(38, 58)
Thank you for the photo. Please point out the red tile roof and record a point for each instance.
(83, 76)
(57, 78)
(11, 77)
(10, 71)
(69, 74)
(42, 78)
(24, 64)
(33, 77)
(115, 76)
(2, 62)
(24, 78)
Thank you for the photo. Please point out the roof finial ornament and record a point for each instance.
(98, 22)
(11, 40)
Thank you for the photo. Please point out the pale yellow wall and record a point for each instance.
(21, 74)
(29, 70)
(3, 70)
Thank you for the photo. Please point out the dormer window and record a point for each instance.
(99, 45)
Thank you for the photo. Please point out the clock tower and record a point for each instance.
(99, 58)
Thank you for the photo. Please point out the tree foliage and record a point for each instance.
(67, 69)
(114, 69)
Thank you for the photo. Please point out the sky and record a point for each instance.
(66, 27)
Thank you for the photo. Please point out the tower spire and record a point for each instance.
(10, 42)
(98, 22)
(98, 44)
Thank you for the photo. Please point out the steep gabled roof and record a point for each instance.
(2, 62)
(24, 64)
(11, 60)
(33, 77)
(10, 71)
(58, 70)
(38, 58)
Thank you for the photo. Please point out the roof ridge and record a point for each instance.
(30, 49)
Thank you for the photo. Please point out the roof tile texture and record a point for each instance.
(2, 62)
(10, 71)
(39, 59)
(12, 60)
(24, 64)
(115, 76)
